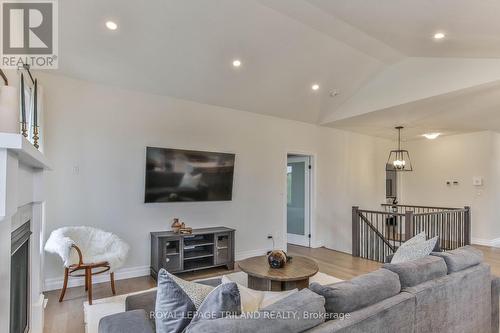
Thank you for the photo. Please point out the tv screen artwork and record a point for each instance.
(174, 175)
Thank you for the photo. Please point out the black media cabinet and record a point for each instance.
(204, 248)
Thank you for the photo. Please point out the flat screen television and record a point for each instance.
(174, 175)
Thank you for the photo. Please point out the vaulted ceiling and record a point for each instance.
(372, 59)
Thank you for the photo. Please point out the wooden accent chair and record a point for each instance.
(97, 252)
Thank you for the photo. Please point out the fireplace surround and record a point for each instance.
(22, 200)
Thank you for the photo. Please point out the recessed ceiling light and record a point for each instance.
(111, 25)
(236, 63)
(439, 35)
(431, 136)
(315, 86)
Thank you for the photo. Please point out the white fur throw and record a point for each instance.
(96, 246)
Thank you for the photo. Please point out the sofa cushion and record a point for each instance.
(411, 250)
(223, 301)
(298, 312)
(145, 301)
(126, 322)
(418, 271)
(461, 258)
(392, 315)
(360, 292)
(457, 302)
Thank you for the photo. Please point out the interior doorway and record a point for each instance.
(298, 203)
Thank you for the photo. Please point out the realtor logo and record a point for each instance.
(29, 34)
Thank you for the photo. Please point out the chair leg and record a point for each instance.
(88, 272)
(112, 278)
(86, 281)
(65, 284)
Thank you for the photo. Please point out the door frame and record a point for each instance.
(313, 241)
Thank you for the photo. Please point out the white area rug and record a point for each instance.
(107, 306)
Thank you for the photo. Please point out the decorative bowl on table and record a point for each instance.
(277, 258)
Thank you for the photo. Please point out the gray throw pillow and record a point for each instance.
(174, 308)
(223, 301)
(414, 250)
(360, 292)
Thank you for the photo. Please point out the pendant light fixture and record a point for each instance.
(399, 160)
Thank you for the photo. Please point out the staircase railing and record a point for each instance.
(376, 234)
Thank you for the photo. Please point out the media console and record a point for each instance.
(204, 248)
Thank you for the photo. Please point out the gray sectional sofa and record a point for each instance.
(445, 292)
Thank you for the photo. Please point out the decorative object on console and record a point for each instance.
(203, 248)
(278, 258)
(93, 249)
(185, 230)
(176, 225)
(180, 228)
(399, 159)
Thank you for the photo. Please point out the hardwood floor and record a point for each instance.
(67, 317)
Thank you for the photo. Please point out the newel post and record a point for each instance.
(467, 225)
(408, 225)
(355, 231)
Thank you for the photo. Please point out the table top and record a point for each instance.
(298, 268)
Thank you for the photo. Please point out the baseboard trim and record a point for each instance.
(127, 273)
(252, 253)
(318, 244)
(486, 242)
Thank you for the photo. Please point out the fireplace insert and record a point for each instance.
(19, 279)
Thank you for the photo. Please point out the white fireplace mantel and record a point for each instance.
(22, 198)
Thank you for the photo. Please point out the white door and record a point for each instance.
(298, 200)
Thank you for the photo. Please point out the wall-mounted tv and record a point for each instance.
(174, 175)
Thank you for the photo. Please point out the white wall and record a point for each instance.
(458, 158)
(102, 131)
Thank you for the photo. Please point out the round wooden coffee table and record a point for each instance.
(295, 274)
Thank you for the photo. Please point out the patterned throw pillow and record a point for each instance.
(197, 292)
(414, 249)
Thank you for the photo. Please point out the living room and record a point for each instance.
(214, 97)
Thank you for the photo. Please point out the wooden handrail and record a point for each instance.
(416, 206)
(380, 212)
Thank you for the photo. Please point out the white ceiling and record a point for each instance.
(472, 27)
(185, 49)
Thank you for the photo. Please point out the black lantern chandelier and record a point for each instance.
(399, 160)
